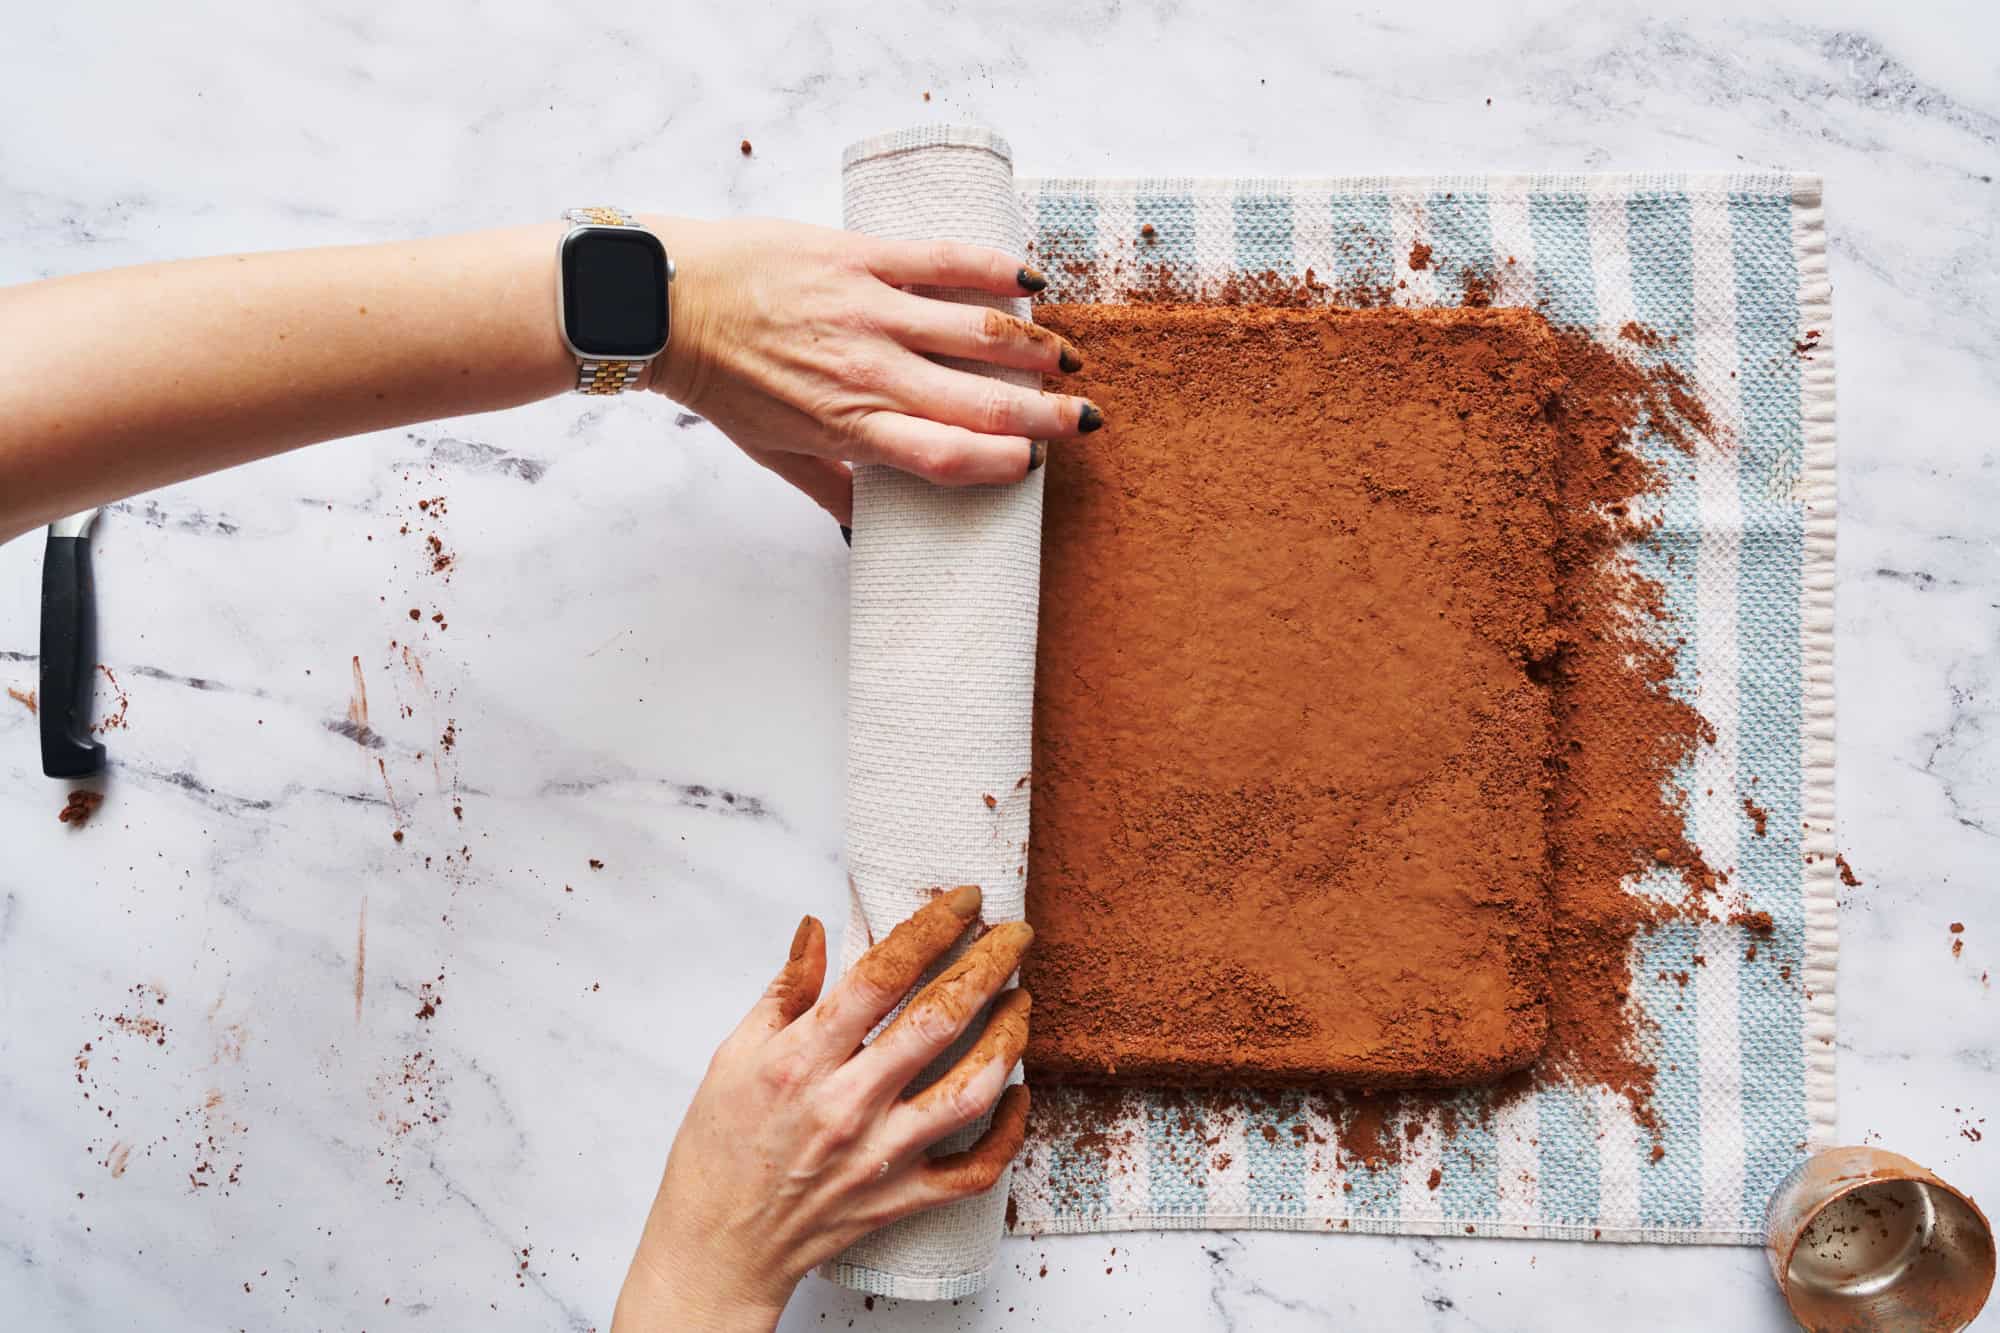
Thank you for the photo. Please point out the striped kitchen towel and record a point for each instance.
(1731, 272)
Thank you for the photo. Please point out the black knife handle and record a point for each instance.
(69, 656)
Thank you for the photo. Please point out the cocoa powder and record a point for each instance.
(1291, 748)
(1620, 735)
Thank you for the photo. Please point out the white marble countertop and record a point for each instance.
(643, 640)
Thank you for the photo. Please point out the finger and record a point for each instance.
(947, 455)
(827, 482)
(942, 1010)
(886, 972)
(952, 264)
(968, 1087)
(796, 987)
(990, 406)
(958, 1175)
(945, 328)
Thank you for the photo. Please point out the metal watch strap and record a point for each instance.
(602, 377)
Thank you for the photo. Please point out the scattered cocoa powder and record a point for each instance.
(80, 806)
(116, 718)
(25, 698)
(1420, 257)
(1759, 816)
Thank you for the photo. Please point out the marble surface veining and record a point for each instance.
(262, 1065)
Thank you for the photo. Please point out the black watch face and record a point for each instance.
(614, 286)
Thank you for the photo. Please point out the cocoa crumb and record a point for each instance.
(24, 698)
(1759, 922)
(397, 835)
(1437, 1178)
(1659, 1151)
(1846, 871)
(416, 614)
(596, 864)
(744, 148)
(1759, 816)
(80, 806)
(990, 802)
(1148, 232)
(1420, 257)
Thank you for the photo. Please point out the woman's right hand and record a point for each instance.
(802, 346)
(800, 1141)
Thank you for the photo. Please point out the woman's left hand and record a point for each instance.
(802, 346)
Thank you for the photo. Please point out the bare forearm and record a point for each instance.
(120, 381)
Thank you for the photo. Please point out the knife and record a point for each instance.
(69, 650)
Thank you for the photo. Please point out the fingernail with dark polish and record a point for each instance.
(847, 534)
(1089, 419)
(1069, 360)
(1031, 279)
(1038, 453)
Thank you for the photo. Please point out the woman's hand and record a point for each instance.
(800, 1141)
(798, 343)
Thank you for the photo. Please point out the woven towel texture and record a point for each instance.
(1731, 271)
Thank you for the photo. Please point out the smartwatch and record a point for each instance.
(612, 277)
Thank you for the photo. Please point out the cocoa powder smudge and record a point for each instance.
(80, 806)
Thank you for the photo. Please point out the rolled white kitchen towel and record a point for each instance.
(941, 672)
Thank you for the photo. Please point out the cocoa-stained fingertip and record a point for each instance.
(1089, 419)
(963, 901)
(1031, 279)
(802, 937)
(847, 534)
(1070, 360)
(1038, 453)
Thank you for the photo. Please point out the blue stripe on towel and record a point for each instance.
(1568, 1167)
(1567, 1174)
(1264, 233)
(1565, 284)
(1171, 248)
(1176, 1157)
(1769, 869)
(1660, 227)
(1065, 235)
(1460, 235)
(1363, 262)
(1276, 1135)
(1470, 1164)
(1078, 1172)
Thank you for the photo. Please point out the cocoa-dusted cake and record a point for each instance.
(1291, 749)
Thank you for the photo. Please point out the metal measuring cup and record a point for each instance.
(1862, 1239)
